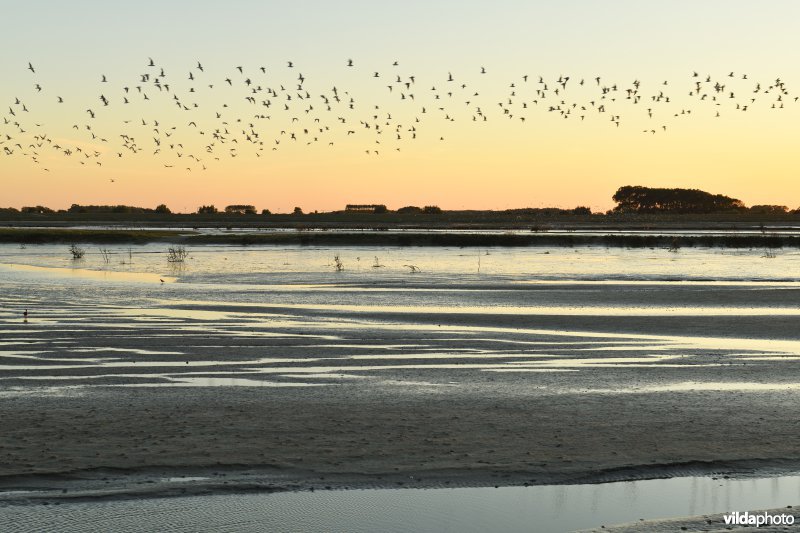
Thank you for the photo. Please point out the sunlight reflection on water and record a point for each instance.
(302, 320)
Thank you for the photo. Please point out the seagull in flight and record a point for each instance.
(30, 67)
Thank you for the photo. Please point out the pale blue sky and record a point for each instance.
(635, 36)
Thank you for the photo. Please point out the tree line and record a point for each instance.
(638, 199)
(629, 199)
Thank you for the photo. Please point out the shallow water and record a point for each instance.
(266, 316)
(551, 508)
(261, 265)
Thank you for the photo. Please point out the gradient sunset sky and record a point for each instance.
(474, 67)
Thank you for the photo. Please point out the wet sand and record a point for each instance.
(111, 400)
(301, 440)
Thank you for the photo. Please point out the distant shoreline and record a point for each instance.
(772, 239)
(468, 219)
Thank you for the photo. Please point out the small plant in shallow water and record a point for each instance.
(674, 246)
(176, 254)
(768, 254)
(377, 263)
(76, 251)
(338, 266)
(414, 268)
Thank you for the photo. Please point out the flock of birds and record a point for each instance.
(190, 120)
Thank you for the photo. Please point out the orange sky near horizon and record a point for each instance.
(201, 141)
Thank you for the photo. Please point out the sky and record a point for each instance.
(467, 118)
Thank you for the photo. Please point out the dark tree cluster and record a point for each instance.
(39, 209)
(769, 209)
(241, 209)
(548, 211)
(76, 208)
(637, 199)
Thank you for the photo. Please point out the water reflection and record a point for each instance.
(221, 382)
(513, 509)
(502, 327)
(106, 274)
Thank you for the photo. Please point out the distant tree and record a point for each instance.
(431, 209)
(75, 208)
(639, 199)
(240, 209)
(410, 209)
(380, 209)
(297, 211)
(39, 209)
(769, 209)
(163, 209)
(266, 212)
(207, 210)
(581, 211)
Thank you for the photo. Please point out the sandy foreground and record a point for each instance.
(113, 400)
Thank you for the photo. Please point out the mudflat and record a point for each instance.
(110, 388)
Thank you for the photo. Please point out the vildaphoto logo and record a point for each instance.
(757, 519)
